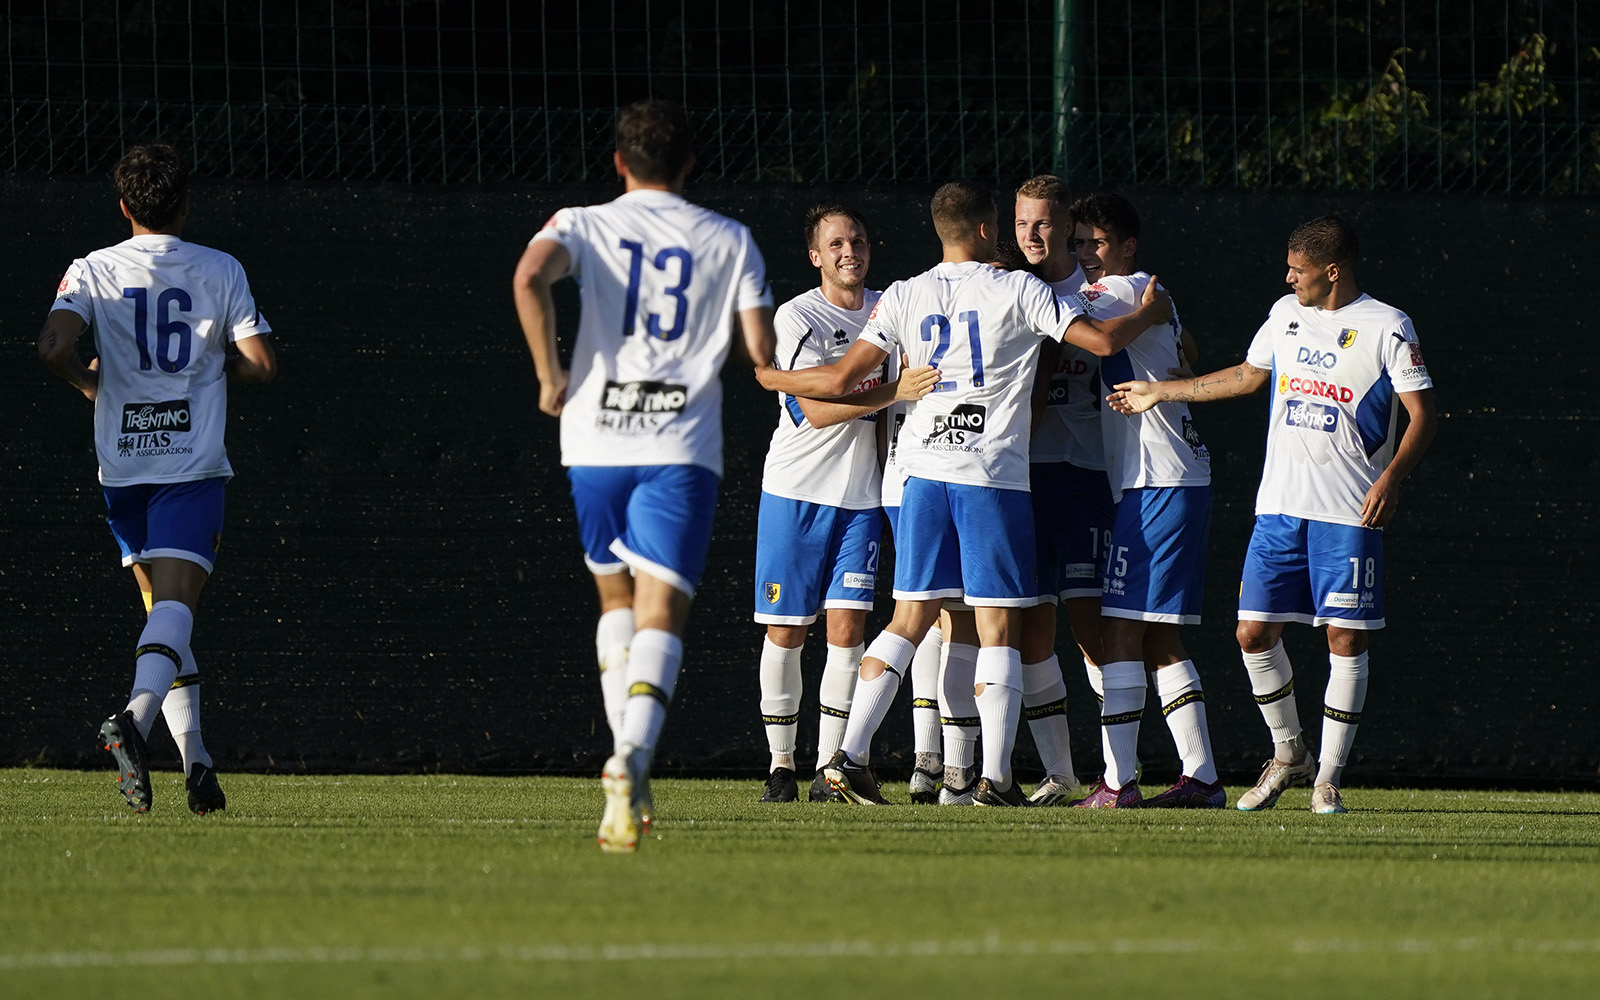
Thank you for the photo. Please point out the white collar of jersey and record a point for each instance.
(652, 195)
(156, 240)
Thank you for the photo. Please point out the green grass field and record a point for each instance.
(443, 886)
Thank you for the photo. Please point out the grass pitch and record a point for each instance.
(442, 886)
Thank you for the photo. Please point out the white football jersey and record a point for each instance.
(661, 280)
(981, 328)
(837, 465)
(162, 312)
(1331, 428)
(1160, 446)
(1069, 429)
(894, 417)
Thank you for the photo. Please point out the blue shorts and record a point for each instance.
(1156, 560)
(1313, 572)
(810, 556)
(971, 541)
(1072, 512)
(892, 515)
(168, 520)
(653, 519)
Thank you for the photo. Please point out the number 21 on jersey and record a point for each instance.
(936, 325)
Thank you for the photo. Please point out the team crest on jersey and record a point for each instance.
(772, 590)
(1347, 337)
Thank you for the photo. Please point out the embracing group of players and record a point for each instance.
(1020, 418)
(1010, 489)
(1022, 422)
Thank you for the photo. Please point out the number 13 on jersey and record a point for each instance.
(670, 259)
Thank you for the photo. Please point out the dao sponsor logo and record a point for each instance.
(860, 581)
(1347, 337)
(958, 427)
(1310, 416)
(633, 407)
(1315, 387)
(1317, 359)
(145, 418)
(1339, 600)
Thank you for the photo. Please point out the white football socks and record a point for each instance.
(925, 692)
(1044, 704)
(957, 708)
(653, 663)
(999, 670)
(181, 709)
(163, 646)
(612, 637)
(838, 689)
(780, 700)
(1341, 713)
(1121, 708)
(1184, 705)
(874, 697)
(1272, 684)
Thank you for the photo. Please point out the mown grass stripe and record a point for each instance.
(758, 951)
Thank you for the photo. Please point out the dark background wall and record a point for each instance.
(400, 585)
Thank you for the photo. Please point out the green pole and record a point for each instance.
(1063, 79)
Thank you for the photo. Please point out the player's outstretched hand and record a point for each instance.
(1132, 397)
(553, 394)
(917, 382)
(1154, 293)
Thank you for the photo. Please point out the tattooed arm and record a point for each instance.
(1240, 380)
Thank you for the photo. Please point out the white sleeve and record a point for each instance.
(244, 319)
(796, 345)
(1263, 348)
(566, 228)
(1402, 358)
(754, 291)
(880, 330)
(72, 294)
(1045, 313)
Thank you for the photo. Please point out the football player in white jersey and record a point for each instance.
(819, 528)
(1155, 560)
(1071, 497)
(967, 479)
(164, 313)
(641, 415)
(1335, 360)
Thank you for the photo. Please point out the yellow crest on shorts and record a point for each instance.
(772, 591)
